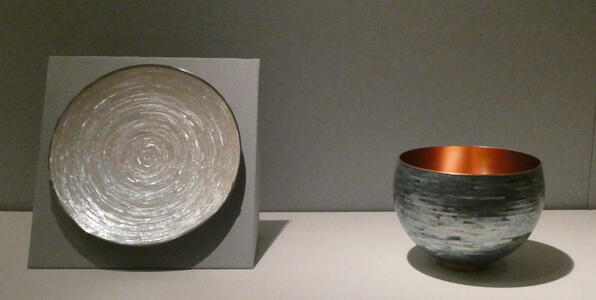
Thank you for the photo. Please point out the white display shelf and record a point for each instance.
(343, 255)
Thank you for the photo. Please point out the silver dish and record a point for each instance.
(144, 155)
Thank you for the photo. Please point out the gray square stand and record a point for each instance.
(227, 240)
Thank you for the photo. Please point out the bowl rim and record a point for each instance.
(538, 166)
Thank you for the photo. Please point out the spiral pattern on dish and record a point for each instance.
(144, 155)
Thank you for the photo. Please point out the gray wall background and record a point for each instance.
(345, 85)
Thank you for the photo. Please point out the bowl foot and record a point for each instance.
(459, 267)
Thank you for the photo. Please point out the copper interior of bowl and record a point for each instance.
(470, 160)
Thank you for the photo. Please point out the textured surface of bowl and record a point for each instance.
(144, 155)
(468, 205)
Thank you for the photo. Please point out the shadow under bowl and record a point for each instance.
(468, 205)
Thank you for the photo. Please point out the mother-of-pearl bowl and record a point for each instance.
(144, 155)
(468, 205)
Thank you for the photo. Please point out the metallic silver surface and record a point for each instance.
(144, 155)
(468, 219)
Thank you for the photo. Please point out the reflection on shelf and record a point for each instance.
(532, 264)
